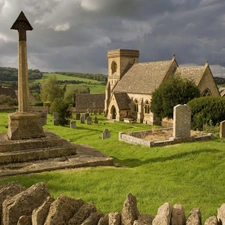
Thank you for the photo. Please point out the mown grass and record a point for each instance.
(190, 173)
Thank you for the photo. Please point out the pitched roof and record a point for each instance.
(122, 100)
(143, 78)
(90, 101)
(8, 92)
(194, 73)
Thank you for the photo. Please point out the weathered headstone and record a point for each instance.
(106, 134)
(86, 115)
(73, 124)
(181, 121)
(56, 118)
(82, 118)
(222, 129)
(43, 118)
(78, 116)
(95, 120)
(89, 120)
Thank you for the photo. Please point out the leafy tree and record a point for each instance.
(172, 92)
(50, 89)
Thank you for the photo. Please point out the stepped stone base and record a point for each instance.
(24, 126)
(45, 154)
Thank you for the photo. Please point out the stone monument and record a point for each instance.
(23, 124)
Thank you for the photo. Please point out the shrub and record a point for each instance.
(207, 110)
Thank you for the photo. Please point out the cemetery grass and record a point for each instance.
(190, 173)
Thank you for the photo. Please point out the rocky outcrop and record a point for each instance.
(35, 206)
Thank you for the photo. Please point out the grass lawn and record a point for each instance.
(190, 173)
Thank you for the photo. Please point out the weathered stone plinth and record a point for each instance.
(24, 126)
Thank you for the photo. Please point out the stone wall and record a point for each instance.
(35, 206)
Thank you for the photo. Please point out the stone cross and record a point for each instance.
(22, 25)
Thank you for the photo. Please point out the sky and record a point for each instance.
(75, 35)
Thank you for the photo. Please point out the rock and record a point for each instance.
(130, 211)
(163, 216)
(114, 218)
(212, 221)
(144, 219)
(83, 213)
(24, 220)
(40, 214)
(104, 220)
(93, 219)
(62, 209)
(221, 213)
(178, 215)
(9, 190)
(23, 203)
(194, 217)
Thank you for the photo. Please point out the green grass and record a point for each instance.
(95, 86)
(190, 173)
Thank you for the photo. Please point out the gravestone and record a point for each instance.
(89, 120)
(43, 118)
(95, 112)
(82, 118)
(86, 115)
(181, 121)
(222, 129)
(95, 120)
(73, 124)
(56, 118)
(78, 116)
(106, 134)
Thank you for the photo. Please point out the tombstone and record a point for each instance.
(82, 118)
(181, 121)
(56, 118)
(95, 120)
(78, 116)
(86, 115)
(222, 129)
(73, 124)
(106, 134)
(89, 120)
(43, 118)
(95, 112)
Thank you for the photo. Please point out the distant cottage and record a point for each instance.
(131, 84)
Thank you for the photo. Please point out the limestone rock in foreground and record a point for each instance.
(163, 216)
(40, 214)
(194, 217)
(114, 218)
(83, 213)
(24, 220)
(23, 203)
(130, 211)
(212, 221)
(93, 219)
(104, 220)
(178, 215)
(221, 213)
(144, 219)
(62, 209)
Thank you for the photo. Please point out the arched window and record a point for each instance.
(206, 92)
(147, 107)
(113, 67)
(135, 105)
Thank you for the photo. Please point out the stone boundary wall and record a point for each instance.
(136, 138)
(35, 206)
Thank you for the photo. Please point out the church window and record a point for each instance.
(206, 92)
(135, 105)
(147, 107)
(113, 67)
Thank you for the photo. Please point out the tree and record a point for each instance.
(51, 90)
(170, 93)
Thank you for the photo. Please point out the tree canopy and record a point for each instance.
(172, 92)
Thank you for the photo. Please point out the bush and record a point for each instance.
(207, 111)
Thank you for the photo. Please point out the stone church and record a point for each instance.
(131, 84)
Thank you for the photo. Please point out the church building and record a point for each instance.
(131, 84)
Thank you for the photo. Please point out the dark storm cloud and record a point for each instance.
(74, 35)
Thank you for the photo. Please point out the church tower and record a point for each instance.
(119, 62)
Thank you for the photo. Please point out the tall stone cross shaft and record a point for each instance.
(22, 25)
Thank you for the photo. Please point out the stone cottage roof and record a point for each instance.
(122, 100)
(90, 101)
(8, 92)
(194, 73)
(143, 78)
